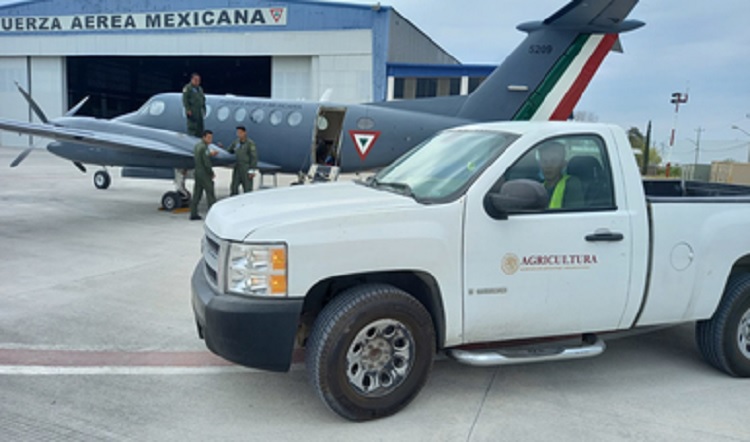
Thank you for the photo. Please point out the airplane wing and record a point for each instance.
(179, 146)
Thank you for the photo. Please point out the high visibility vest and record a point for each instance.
(556, 202)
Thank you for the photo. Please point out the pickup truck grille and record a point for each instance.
(212, 252)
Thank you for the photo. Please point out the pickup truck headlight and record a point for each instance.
(257, 269)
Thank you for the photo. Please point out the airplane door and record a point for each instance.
(327, 136)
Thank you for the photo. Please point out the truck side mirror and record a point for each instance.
(516, 196)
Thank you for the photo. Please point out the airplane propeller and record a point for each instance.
(34, 106)
(74, 110)
(21, 157)
(41, 115)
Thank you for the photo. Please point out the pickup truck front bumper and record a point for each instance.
(257, 333)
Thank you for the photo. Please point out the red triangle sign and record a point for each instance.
(276, 13)
(363, 141)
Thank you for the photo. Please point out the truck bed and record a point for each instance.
(674, 190)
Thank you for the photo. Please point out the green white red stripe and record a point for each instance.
(556, 96)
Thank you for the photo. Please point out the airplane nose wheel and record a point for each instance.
(102, 180)
(171, 201)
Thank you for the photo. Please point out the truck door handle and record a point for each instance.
(605, 237)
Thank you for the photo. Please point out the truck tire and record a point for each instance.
(724, 339)
(370, 351)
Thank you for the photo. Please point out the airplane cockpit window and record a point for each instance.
(223, 113)
(157, 108)
(258, 115)
(276, 117)
(294, 119)
(144, 109)
(365, 123)
(240, 115)
(208, 110)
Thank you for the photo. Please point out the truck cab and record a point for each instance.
(496, 243)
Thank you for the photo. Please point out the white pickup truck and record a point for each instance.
(495, 243)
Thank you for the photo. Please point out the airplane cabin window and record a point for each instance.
(322, 123)
(258, 115)
(275, 117)
(157, 108)
(240, 115)
(223, 113)
(365, 123)
(295, 118)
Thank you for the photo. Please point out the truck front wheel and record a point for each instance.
(724, 339)
(370, 351)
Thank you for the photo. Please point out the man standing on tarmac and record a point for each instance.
(194, 103)
(247, 158)
(204, 174)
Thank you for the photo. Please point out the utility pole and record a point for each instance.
(735, 127)
(698, 132)
(646, 150)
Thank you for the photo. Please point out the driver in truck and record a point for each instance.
(565, 191)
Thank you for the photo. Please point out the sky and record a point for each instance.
(687, 45)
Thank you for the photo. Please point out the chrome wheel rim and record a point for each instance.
(380, 358)
(743, 335)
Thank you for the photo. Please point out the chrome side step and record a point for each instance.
(523, 355)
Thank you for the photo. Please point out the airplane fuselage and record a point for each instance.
(285, 132)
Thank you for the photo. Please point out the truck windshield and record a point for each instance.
(441, 167)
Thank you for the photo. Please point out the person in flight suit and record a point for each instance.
(247, 158)
(194, 102)
(204, 174)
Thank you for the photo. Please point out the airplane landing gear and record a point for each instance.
(102, 179)
(178, 198)
(171, 201)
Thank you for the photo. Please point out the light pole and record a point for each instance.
(735, 127)
(677, 99)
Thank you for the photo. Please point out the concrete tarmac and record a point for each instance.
(97, 342)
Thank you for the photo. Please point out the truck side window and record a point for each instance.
(574, 171)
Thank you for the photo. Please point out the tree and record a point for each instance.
(638, 143)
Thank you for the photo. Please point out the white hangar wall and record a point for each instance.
(315, 48)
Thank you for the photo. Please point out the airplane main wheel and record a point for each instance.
(102, 180)
(171, 201)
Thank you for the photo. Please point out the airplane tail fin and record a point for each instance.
(545, 76)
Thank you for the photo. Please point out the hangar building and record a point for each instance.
(120, 52)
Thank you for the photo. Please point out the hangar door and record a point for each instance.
(118, 85)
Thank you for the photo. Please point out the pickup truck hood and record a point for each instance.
(237, 218)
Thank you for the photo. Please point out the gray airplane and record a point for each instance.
(542, 79)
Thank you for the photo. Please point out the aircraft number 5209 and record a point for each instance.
(540, 49)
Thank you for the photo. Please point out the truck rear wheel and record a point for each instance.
(724, 339)
(370, 351)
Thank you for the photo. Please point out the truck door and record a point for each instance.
(556, 271)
